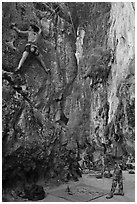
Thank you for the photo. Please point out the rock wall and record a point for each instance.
(108, 41)
(89, 94)
(90, 52)
(121, 39)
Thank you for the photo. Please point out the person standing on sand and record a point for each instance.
(117, 174)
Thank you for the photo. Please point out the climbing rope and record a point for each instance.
(69, 16)
(54, 10)
(72, 24)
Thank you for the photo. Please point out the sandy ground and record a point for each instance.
(129, 188)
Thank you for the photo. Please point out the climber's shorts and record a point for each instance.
(31, 48)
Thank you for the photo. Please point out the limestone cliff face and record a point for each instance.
(90, 91)
(89, 48)
(108, 42)
(121, 39)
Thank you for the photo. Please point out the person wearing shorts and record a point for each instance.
(33, 35)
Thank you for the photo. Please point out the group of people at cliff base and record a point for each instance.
(113, 156)
(112, 153)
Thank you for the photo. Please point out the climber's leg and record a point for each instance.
(40, 59)
(24, 57)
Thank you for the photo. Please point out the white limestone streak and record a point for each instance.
(121, 39)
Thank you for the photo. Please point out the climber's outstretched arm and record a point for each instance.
(24, 33)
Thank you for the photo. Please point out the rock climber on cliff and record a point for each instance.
(33, 35)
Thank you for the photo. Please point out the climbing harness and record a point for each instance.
(31, 48)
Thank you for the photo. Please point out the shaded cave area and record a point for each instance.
(50, 120)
